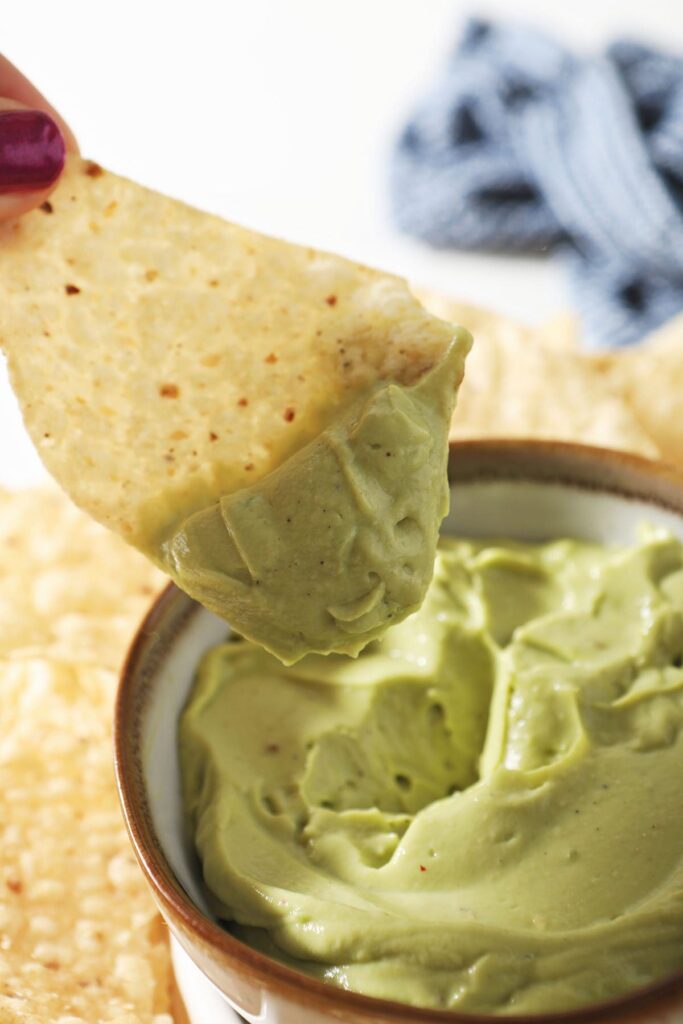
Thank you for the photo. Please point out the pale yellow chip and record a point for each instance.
(559, 332)
(80, 938)
(650, 378)
(164, 358)
(69, 589)
(520, 382)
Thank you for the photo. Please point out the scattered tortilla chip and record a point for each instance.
(520, 384)
(164, 358)
(80, 937)
(561, 331)
(69, 590)
(650, 378)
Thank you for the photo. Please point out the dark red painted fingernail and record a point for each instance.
(32, 151)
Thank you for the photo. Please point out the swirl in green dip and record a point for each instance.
(481, 812)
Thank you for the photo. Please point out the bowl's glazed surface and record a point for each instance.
(523, 490)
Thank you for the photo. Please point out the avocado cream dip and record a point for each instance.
(338, 542)
(482, 811)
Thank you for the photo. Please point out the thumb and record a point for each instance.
(32, 154)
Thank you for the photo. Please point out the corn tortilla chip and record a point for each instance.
(519, 383)
(80, 938)
(164, 358)
(229, 403)
(69, 590)
(650, 378)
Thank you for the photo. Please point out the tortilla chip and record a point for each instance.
(519, 383)
(560, 331)
(80, 937)
(164, 358)
(69, 590)
(650, 378)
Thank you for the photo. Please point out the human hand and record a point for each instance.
(34, 140)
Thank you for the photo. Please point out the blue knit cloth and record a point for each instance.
(522, 146)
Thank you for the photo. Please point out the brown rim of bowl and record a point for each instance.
(622, 474)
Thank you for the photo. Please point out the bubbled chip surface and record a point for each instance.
(80, 938)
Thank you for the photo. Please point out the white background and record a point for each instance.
(279, 114)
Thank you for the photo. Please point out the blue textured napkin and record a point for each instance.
(522, 146)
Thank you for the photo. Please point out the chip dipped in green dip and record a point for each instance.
(339, 541)
(265, 422)
(482, 811)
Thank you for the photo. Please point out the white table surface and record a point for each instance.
(279, 114)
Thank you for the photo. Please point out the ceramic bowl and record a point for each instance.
(525, 490)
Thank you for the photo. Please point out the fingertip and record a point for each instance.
(32, 156)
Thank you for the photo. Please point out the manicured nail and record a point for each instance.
(32, 151)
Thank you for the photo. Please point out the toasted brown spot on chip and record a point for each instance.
(270, 358)
(243, 401)
(214, 282)
(178, 435)
(331, 300)
(47, 207)
(72, 289)
(289, 414)
(212, 436)
(14, 885)
(169, 390)
(93, 170)
(249, 466)
(151, 275)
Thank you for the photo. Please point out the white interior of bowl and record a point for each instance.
(516, 509)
